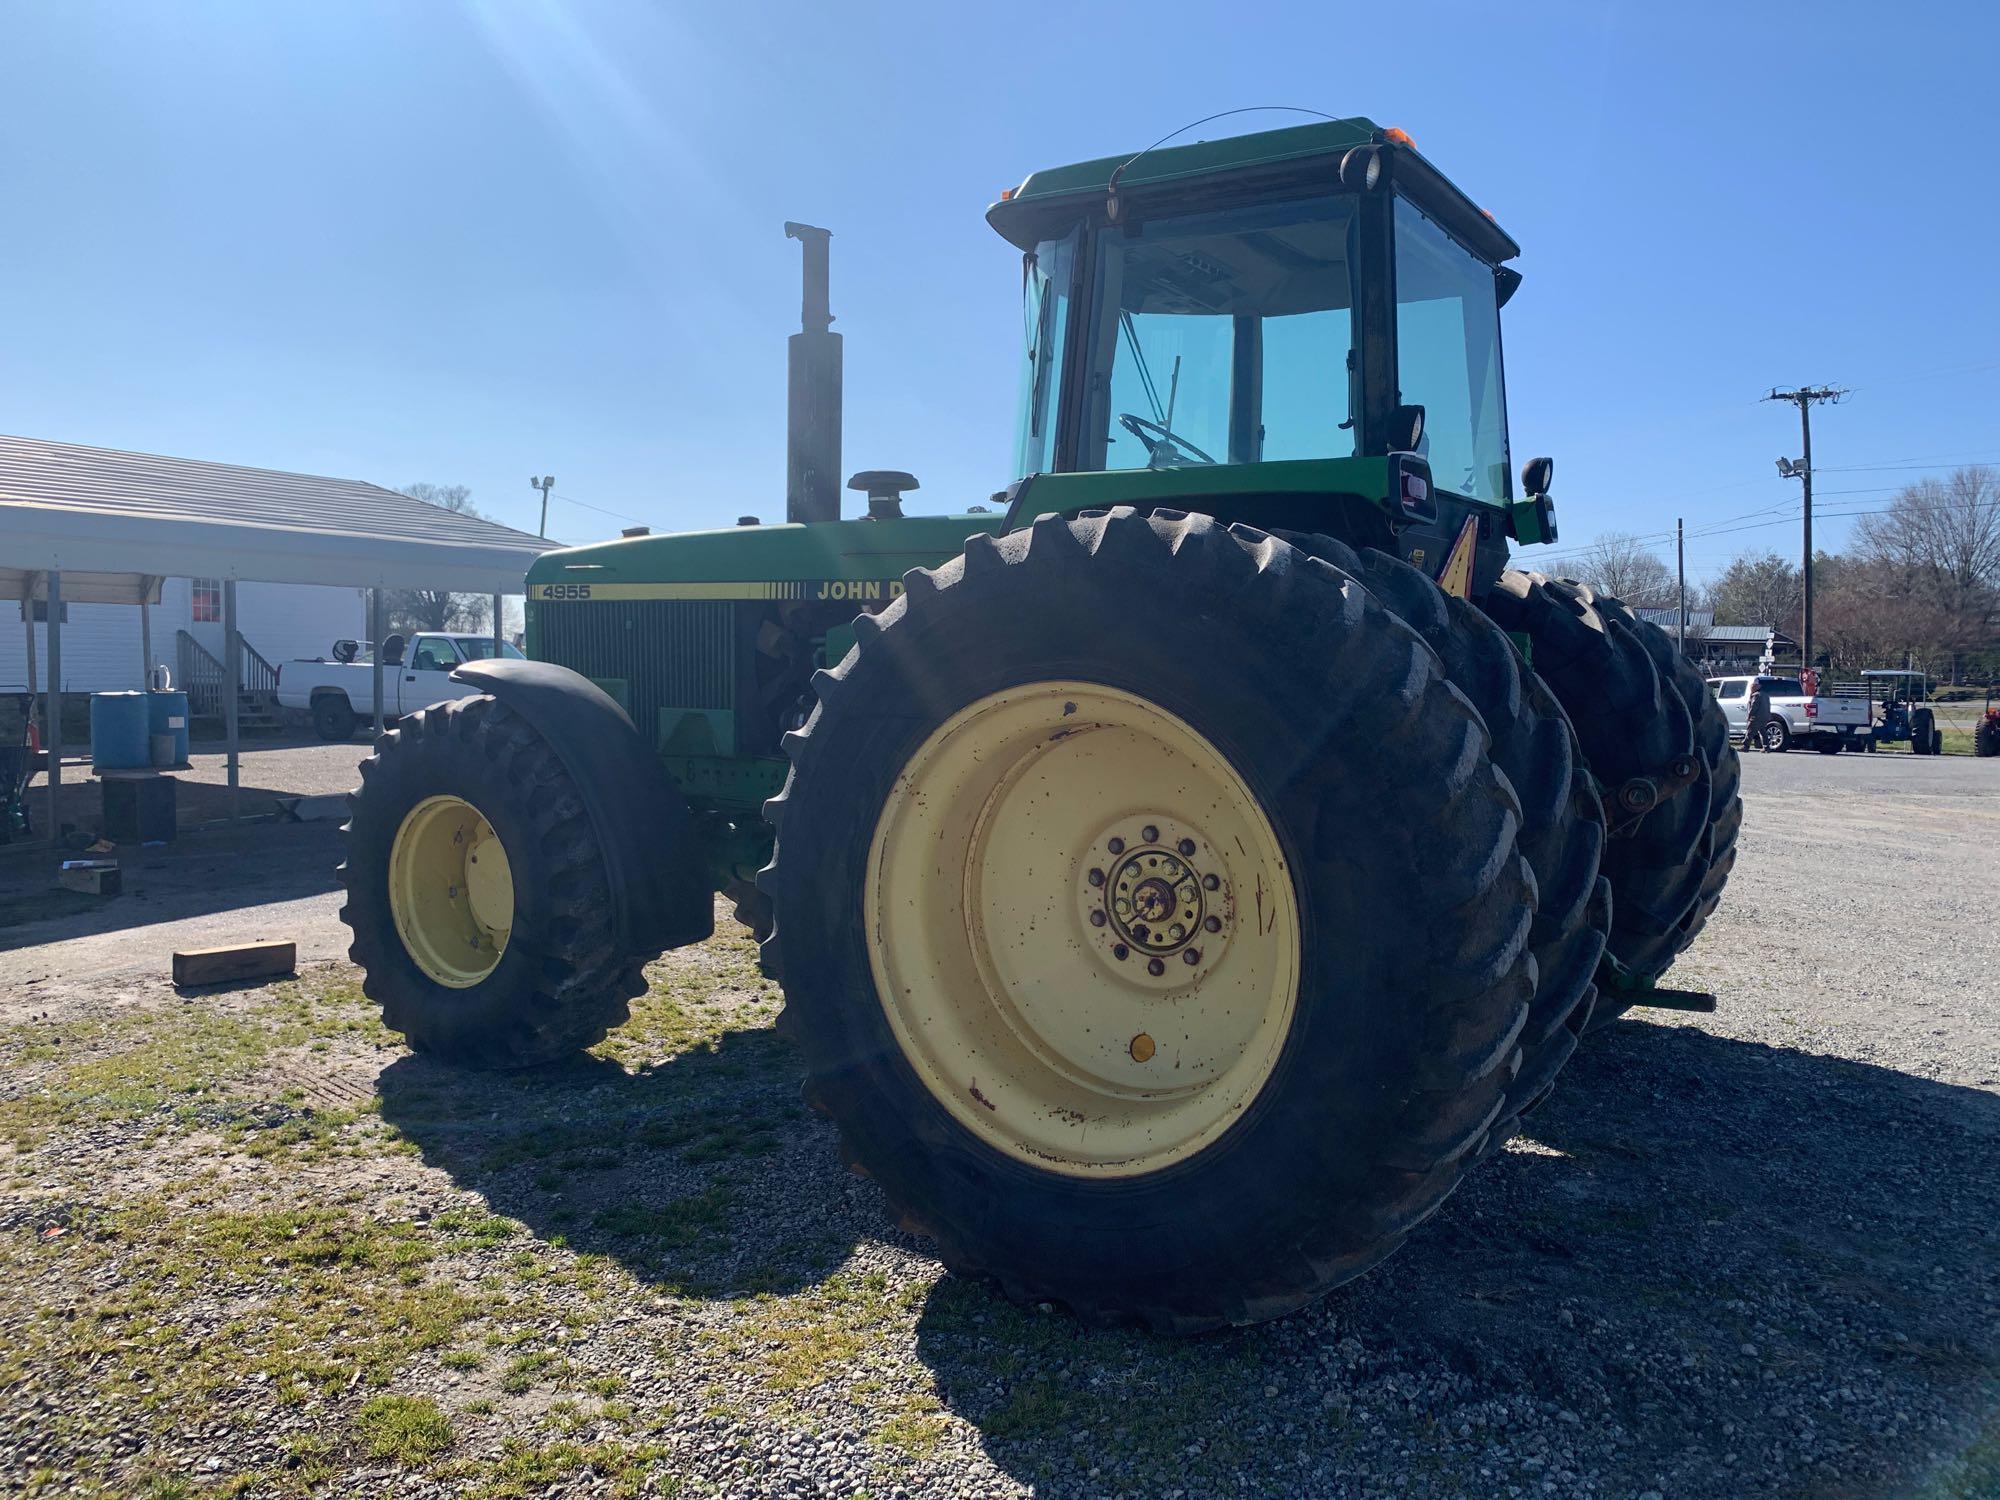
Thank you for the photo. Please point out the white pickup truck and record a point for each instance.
(340, 693)
(1830, 725)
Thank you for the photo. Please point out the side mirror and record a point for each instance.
(1537, 474)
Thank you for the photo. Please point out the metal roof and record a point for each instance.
(102, 511)
(1756, 634)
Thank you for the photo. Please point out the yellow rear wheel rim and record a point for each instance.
(1082, 928)
(451, 891)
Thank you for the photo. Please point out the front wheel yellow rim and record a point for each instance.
(1082, 928)
(451, 891)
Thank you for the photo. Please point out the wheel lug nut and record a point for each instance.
(1115, 845)
(1121, 952)
(1211, 882)
(1097, 919)
(1190, 956)
(1150, 834)
(1178, 932)
(1186, 846)
(1096, 877)
(1213, 924)
(1155, 967)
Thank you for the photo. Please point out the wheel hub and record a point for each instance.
(451, 891)
(1052, 898)
(1153, 911)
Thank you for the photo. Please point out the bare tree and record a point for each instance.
(1619, 564)
(1759, 591)
(1861, 618)
(1941, 537)
(435, 609)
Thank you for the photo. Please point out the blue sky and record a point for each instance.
(467, 242)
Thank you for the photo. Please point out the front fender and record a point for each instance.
(656, 874)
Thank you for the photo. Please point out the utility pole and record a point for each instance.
(1805, 397)
(1681, 573)
(546, 483)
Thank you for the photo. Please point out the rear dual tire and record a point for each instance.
(1319, 1086)
(1531, 743)
(1638, 706)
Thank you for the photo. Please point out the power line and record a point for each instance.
(616, 515)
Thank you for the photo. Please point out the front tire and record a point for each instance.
(477, 894)
(1186, 1142)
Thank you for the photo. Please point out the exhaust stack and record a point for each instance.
(812, 406)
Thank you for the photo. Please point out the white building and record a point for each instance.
(100, 645)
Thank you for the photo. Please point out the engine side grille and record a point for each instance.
(672, 653)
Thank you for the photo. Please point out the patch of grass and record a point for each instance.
(160, 1061)
(473, 1229)
(462, 1359)
(916, 1431)
(525, 1370)
(678, 1223)
(523, 1470)
(1035, 1407)
(408, 1429)
(309, 1457)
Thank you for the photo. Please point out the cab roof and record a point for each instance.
(1305, 156)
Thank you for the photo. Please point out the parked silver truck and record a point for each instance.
(1829, 724)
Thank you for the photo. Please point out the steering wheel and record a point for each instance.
(1156, 438)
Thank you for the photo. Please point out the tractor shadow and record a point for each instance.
(1683, 1200)
(699, 1174)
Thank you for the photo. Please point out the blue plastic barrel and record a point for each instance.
(120, 724)
(169, 715)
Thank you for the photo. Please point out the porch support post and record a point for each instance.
(232, 688)
(52, 701)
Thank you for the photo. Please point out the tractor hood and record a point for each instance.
(818, 560)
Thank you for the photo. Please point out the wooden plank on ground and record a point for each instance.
(196, 966)
(94, 879)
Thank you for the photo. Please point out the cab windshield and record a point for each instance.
(1222, 337)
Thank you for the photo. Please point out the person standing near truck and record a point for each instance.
(1760, 715)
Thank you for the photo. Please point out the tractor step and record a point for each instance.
(1697, 1000)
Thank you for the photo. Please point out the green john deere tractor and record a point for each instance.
(1179, 872)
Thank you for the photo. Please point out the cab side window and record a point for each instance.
(433, 654)
(1729, 691)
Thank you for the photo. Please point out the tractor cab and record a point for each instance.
(1299, 329)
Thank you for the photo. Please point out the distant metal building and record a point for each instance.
(82, 527)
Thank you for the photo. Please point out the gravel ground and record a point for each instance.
(268, 767)
(247, 1245)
